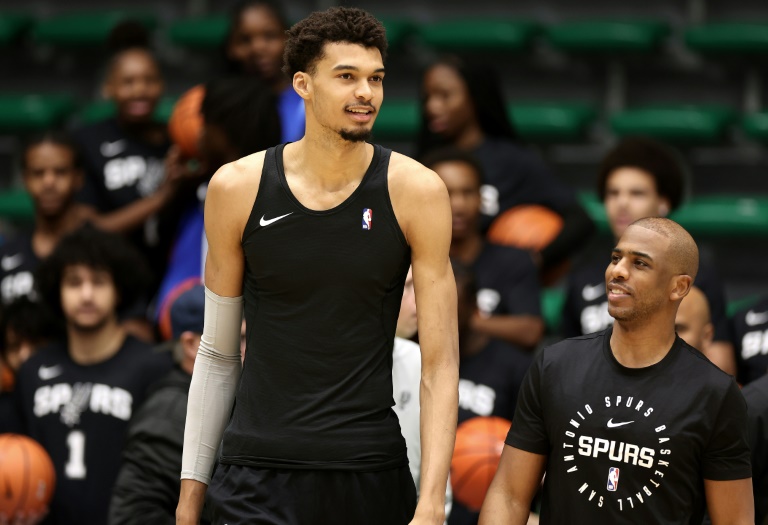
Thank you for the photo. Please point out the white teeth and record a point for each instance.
(364, 111)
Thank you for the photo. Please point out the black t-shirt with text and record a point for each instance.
(80, 415)
(750, 338)
(586, 304)
(18, 263)
(507, 281)
(628, 445)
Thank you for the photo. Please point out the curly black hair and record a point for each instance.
(307, 38)
(98, 250)
(57, 138)
(651, 156)
(28, 321)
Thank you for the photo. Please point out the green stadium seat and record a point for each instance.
(756, 125)
(730, 38)
(201, 32)
(708, 216)
(26, 113)
(12, 25)
(479, 34)
(16, 205)
(104, 109)
(398, 29)
(552, 301)
(600, 36)
(86, 28)
(398, 119)
(686, 124)
(551, 121)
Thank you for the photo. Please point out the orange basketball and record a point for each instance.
(186, 122)
(27, 476)
(527, 226)
(479, 442)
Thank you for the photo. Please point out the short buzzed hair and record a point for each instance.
(683, 252)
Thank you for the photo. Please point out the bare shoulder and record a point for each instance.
(409, 179)
(232, 189)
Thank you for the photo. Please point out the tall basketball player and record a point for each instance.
(314, 240)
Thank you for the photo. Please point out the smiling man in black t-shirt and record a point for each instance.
(631, 425)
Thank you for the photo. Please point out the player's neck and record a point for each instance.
(638, 345)
(468, 249)
(332, 162)
(91, 347)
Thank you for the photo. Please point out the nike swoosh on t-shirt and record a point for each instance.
(755, 318)
(590, 293)
(267, 222)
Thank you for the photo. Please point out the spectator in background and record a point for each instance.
(693, 322)
(756, 395)
(640, 178)
(239, 119)
(24, 326)
(255, 47)
(147, 487)
(490, 372)
(125, 155)
(750, 336)
(463, 106)
(508, 302)
(75, 397)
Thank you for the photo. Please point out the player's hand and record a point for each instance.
(21, 518)
(179, 168)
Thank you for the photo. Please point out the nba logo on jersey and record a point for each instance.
(613, 479)
(367, 218)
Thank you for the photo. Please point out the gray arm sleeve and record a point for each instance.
(214, 381)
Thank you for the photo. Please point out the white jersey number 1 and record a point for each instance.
(75, 467)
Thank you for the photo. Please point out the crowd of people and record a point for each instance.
(106, 301)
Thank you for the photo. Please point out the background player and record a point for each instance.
(75, 397)
(636, 398)
(284, 230)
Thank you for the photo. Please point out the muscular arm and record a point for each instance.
(217, 366)
(730, 502)
(422, 207)
(517, 479)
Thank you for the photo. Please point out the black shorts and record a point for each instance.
(240, 495)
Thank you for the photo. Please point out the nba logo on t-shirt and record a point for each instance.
(613, 479)
(367, 218)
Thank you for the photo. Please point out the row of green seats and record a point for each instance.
(85, 28)
(399, 119)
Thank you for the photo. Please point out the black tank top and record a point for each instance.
(322, 294)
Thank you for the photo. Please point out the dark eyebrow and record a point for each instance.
(354, 68)
(638, 254)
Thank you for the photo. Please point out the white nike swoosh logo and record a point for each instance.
(611, 424)
(267, 222)
(590, 293)
(110, 149)
(755, 318)
(11, 262)
(49, 372)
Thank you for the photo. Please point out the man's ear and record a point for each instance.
(302, 84)
(681, 285)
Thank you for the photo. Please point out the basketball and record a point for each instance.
(527, 226)
(28, 476)
(186, 122)
(479, 442)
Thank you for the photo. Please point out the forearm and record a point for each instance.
(521, 330)
(133, 215)
(577, 228)
(439, 401)
(498, 509)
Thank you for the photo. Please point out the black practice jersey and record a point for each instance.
(586, 304)
(507, 281)
(18, 263)
(322, 293)
(513, 175)
(756, 394)
(490, 380)
(750, 338)
(80, 415)
(629, 445)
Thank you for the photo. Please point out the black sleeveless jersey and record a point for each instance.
(322, 293)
